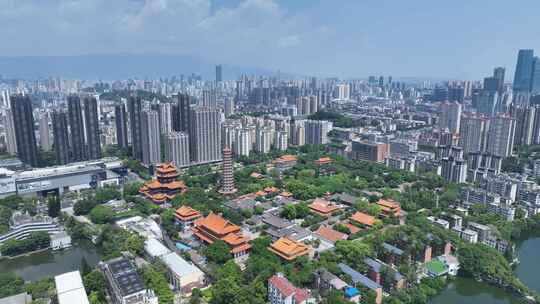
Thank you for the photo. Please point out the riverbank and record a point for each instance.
(469, 291)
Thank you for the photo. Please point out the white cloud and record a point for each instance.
(243, 34)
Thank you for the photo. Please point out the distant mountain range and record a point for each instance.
(117, 66)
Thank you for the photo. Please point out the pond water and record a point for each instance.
(466, 291)
(50, 263)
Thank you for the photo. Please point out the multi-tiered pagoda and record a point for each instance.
(166, 185)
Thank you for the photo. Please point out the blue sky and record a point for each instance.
(348, 38)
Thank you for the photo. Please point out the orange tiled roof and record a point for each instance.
(217, 224)
(364, 219)
(243, 247)
(187, 213)
(271, 190)
(286, 158)
(286, 194)
(174, 185)
(389, 203)
(260, 193)
(352, 228)
(323, 206)
(235, 239)
(289, 249)
(331, 234)
(323, 160)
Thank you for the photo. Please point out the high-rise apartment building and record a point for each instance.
(11, 140)
(263, 142)
(281, 140)
(91, 119)
(371, 151)
(177, 149)
(450, 116)
(135, 114)
(229, 107)
(120, 117)
(344, 91)
(165, 119)
(473, 133)
(500, 140)
(182, 116)
(44, 132)
(21, 107)
(242, 142)
(151, 148)
(61, 139)
(454, 170)
(205, 134)
(317, 131)
(76, 127)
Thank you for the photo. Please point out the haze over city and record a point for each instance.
(449, 40)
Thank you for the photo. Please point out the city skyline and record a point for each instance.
(413, 39)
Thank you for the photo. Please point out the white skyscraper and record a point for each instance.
(344, 91)
(264, 140)
(242, 144)
(281, 140)
(450, 116)
(150, 138)
(205, 134)
(177, 148)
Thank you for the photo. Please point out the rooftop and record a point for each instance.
(359, 278)
(180, 266)
(364, 219)
(330, 234)
(289, 249)
(125, 275)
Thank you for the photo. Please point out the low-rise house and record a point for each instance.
(185, 216)
(344, 198)
(439, 222)
(326, 281)
(125, 284)
(363, 219)
(375, 273)
(145, 227)
(183, 275)
(389, 208)
(281, 291)
(361, 279)
(154, 249)
(393, 254)
(295, 233)
(323, 207)
(60, 240)
(21, 298)
(442, 265)
(285, 162)
(330, 235)
(275, 222)
(289, 250)
(70, 288)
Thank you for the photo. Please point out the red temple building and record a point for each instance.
(166, 185)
